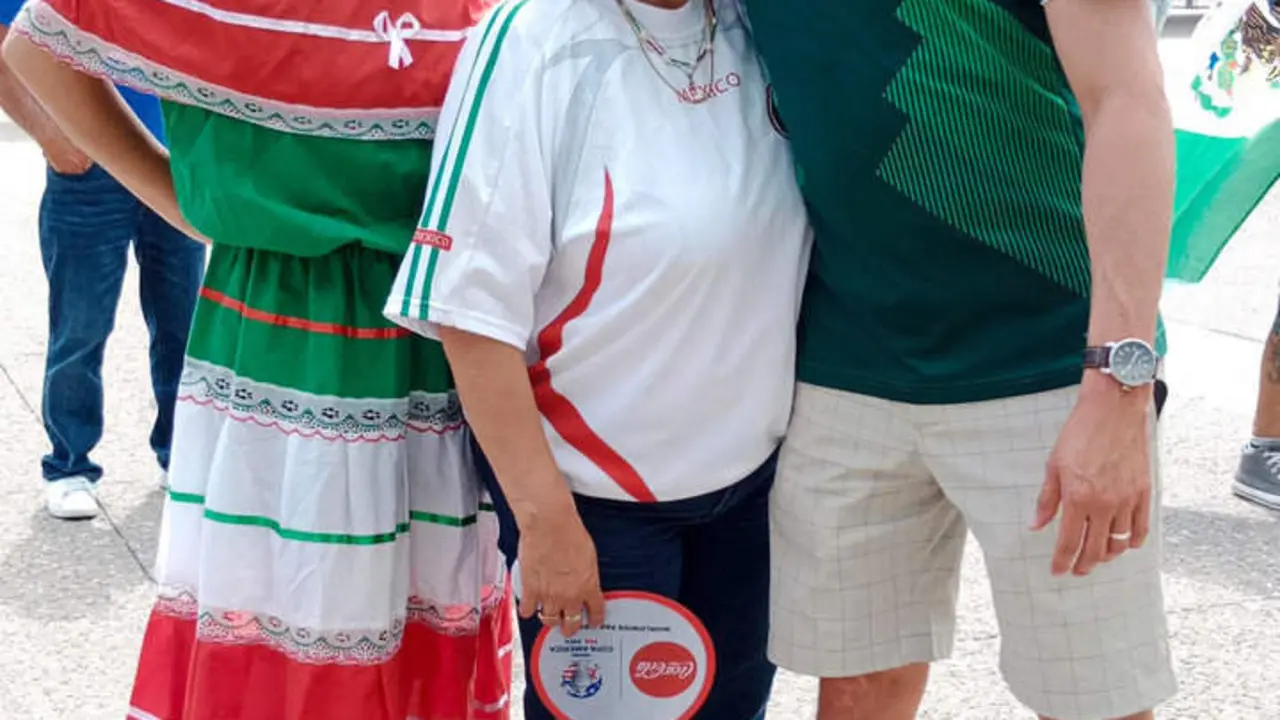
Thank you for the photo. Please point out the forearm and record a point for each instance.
(1128, 204)
(95, 119)
(21, 107)
(1128, 160)
(493, 384)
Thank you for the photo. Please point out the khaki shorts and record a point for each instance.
(869, 515)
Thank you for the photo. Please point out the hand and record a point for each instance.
(559, 573)
(1100, 475)
(67, 159)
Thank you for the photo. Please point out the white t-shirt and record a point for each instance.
(646, 253)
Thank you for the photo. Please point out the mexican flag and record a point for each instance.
(1227, 121)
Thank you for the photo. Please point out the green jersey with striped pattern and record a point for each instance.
(941, 151)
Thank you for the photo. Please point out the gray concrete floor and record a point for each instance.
(74, 597)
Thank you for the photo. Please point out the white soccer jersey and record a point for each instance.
(646, 252)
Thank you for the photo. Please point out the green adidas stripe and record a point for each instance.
(326, 538)
(490, 60)
(441, 222)
(415, 250)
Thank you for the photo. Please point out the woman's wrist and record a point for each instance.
(549, 506)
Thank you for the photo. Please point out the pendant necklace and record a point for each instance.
(651, 47)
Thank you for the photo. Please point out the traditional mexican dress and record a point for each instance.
(326, 550)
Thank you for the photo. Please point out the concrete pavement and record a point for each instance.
(74, 596)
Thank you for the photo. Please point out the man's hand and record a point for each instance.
(1100, 475)
(65, 158)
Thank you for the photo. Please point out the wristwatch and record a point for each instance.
(1131, 362)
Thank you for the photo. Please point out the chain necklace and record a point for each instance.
(650, 47)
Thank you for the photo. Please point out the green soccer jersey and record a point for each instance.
(940, 151)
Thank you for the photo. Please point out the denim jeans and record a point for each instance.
(710, 553)
(87, 224)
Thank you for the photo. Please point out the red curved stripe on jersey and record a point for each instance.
(556, 408)
(297, 323)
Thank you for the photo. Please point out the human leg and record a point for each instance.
(726, 584)
(866, 556)
(86, 225)
(1258, 476)
(170, 266)
(1072, 648)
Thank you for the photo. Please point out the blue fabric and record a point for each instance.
(146, 107)
(87, 224)
(710, 553)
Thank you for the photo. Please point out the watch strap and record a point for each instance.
(1098, 358)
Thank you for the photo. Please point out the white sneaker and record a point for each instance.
(70, 498)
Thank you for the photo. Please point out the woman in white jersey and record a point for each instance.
(612, 251)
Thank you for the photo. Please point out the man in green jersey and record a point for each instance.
(990, 185)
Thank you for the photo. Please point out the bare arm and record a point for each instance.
(18, 104)
(493, 384)
(1108, 49)
(25, 110)
(1099, 473)
(96, 120)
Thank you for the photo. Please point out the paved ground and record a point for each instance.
(73, 597)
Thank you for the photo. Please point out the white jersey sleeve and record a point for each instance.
(484, 240)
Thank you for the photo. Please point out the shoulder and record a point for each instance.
(524, 30)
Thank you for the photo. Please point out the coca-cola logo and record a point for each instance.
(663, 669)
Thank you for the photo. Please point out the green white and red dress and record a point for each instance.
(327, 552)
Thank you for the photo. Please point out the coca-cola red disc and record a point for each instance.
(652, 659)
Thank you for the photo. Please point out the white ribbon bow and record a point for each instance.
(396, 33)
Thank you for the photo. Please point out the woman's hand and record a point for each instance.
(559, 573)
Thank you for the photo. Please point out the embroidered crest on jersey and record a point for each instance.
(433, 238)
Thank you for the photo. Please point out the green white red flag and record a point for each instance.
(1226, 107)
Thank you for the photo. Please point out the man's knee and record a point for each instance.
(886, 695)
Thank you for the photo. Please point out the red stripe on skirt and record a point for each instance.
(433, 677)
(297, 323)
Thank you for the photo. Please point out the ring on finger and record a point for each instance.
(548, 619)
(1121, 537)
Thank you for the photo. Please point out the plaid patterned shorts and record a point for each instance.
(869, 516)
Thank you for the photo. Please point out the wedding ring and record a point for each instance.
(1121, 537)
(556, 619)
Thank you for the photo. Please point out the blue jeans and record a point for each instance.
(710, 553)
(87, 224)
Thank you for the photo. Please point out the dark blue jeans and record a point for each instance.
(710, 553)
(87, 225)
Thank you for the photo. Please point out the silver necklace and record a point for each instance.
(650, 47)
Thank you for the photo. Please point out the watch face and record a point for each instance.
(1133, 362)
